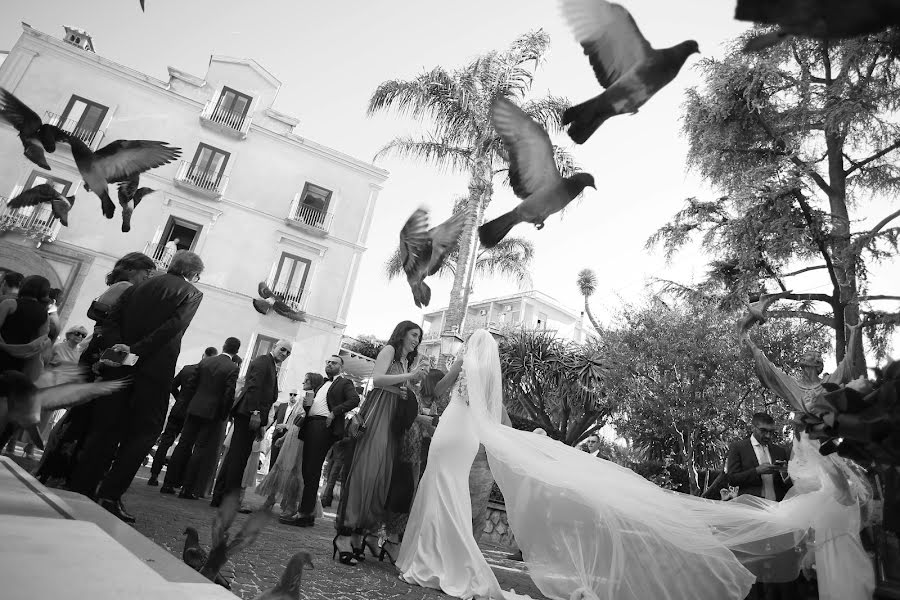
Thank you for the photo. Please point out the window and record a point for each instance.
(542, 321)
(183, 233)
(314, 201)
(82, 118)
(207, 167)
(232, 107)
(290, 277)
(262, 345)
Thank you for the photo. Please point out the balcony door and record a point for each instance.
(233, 107)
(83, 118)
(208, 166)
(290, 276)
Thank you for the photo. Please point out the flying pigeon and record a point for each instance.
(142, 5)
(624, 63)
(274, 300)
(195, 557)
(532, 173)
(756, 311)
(130, 195)
(223, 547)
(820, 19)
(116, 162)
(45, 192)
(288, 587)
(423, 250)
(36, 136)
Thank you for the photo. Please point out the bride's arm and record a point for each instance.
(382, 364)
(449, 379)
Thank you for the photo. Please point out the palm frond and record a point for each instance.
(430, 151)
(565, 162)
(547, 111)
(511, 258)
(393, 266)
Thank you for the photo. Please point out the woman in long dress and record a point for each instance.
(588, 528)
(363, 509)
(285, 480)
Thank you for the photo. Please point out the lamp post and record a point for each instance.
(451, 342)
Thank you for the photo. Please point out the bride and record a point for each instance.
(588, 529)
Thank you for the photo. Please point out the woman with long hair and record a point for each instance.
(363, 508)
(284, 480)
(67, 436)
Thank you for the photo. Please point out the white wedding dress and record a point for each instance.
(588, 528)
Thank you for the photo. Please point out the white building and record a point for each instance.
(254, 199)
(530, 309)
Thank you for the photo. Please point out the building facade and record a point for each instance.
(530, 309)
(255, 200)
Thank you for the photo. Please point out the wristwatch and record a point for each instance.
(255, 412)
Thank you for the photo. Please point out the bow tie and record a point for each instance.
(330, 378)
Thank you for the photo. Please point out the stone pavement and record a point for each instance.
(163, 518)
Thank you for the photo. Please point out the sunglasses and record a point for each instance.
(77, 333)
(292, 395)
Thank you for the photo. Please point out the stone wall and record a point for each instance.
(496, 527)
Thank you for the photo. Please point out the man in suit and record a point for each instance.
(210, 393)
(323, 426)
(175, 421)
(250, 414)
(756, 465)
(282, 412)
(148, 320)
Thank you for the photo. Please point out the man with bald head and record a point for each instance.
(250, 413)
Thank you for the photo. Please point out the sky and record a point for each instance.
(330, 57)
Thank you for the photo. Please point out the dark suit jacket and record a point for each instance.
(151, 319)
(341, 397)
(260, 389)
(742, 465)
(179, 409)
(280, 411)
(211, 388)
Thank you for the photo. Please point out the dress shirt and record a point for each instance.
(763, 458)
(319, 406)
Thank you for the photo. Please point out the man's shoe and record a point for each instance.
(244, 510)
(116, 508)
(303, 521)
(166, 489)
(153, 481)
(187, 496)
(326, 502)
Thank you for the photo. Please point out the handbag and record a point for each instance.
(98, 311)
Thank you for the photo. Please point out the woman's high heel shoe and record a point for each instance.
(373, 548)
(345, 558)
(359, 553)
(386, 552)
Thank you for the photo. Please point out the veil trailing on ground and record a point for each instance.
(591, 529)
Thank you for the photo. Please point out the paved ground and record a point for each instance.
(163, 519)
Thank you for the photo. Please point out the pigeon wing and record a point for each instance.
(610, 37)
(531, 163)
(444, 238)
(71, 394)
(59, 375)
(33, 196)
(124, 158)
(194, 557)
(139, 195)
(16, 113)
(415, 244)
(249, 532)
(127, 187)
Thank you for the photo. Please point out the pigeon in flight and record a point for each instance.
(274, 300)
(45, 192)
(423, 250)
(223, 547)
(130, 195)
(756, 311)
(117, 162)
(195, 556)
(288, 587)
(36, 136)
(624, 63)
(532, 173)
(820, 19)
(142, 6)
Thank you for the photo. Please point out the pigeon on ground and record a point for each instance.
(223, 547)
(756, 311)
(195, 557)
(288, 587)
(45, 192)
(36, 136)
(130, 195)
(624, 63)
(532, 173)
(423, 250)
(116, 162)
(819, 19)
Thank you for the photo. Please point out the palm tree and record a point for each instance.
(587, 285)
(456, 104)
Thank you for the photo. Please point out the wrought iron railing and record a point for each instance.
(91, 137)
(35, 222)
(291, 294)
(161, 255)
(309, 215)
(236, 121)
(207, 181)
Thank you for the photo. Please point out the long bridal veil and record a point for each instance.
(591, 529)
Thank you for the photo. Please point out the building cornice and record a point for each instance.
(282, 117)
(186, 77)
(248, 62)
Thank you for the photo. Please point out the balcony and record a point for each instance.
(91, 137)
(308, 218)
(234, 124)
(161, 255)
(205, 183)
(291, 294)
(34, 222)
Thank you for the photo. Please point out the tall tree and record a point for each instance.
(455, 104)
(587, 285)
(798, 139)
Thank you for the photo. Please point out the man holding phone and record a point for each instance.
(756, 465)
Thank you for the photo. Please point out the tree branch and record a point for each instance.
(791, 274)
(820, 243)
(779, 141)
(802, 314)
(877, 297)
(860, 164)
(863, 240)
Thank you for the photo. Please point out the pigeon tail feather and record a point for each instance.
(586, 117)
(421, 293)
(765, 41)
(492, 232)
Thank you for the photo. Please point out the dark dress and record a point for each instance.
(370, 484)
(21, 327)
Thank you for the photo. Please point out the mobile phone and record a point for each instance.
(119, 356)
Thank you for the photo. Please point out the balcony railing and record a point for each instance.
(226, 121)
(91, 137)
(35, 222)
(292, 294)
(205, 182)
(309, 218)
(161, 255)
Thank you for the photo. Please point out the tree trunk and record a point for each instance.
(590, 315)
